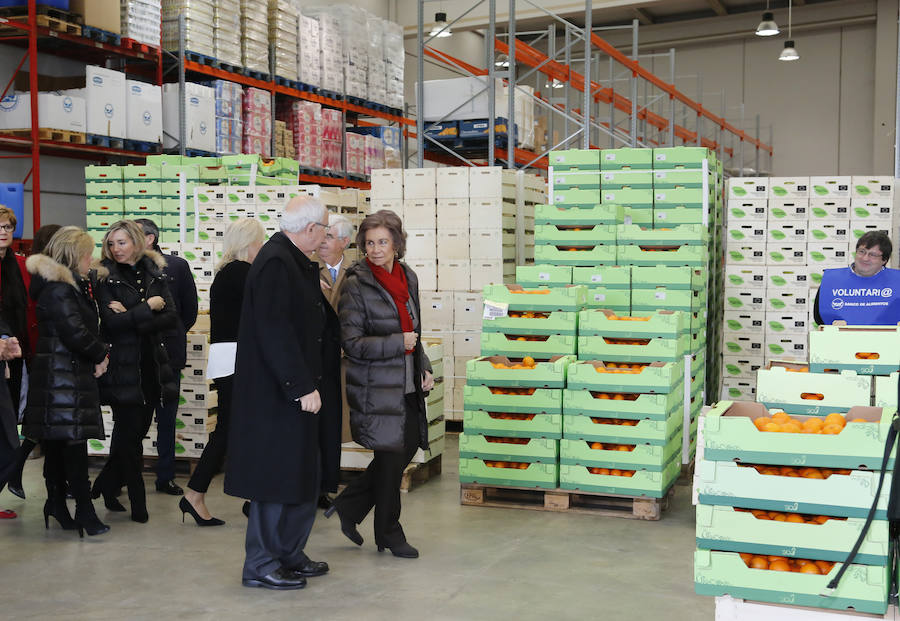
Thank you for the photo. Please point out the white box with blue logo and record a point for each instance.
(105, 100)
(200, 117)
(55, 111)
(143, 109)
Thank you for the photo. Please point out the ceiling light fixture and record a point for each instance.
(789, 52)
(502, 60)
(767, 27)
(440, 29)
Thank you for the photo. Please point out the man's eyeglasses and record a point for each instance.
(862, 252)
(9, 228)
(327, 227)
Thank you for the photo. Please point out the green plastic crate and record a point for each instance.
(727, 530)
(682, 157)
(685, 234)
(661, 324)
(555, 255)
(665, 216)
(836, 348)
(487, 423)
(585, 216)
(641, 216)
(473, 470)
(618, 300)
(550, 374)
(659, 377)
(863, 589)
(729, 434)
(681, 197)
(575, 180)
(241, 161)
(621, 179)
(610, 276)
(650, 300)
(568, 298)
(540, 401)
(643, 483)
(629, 197)
(558, 323)
(106, 205)
(103, 189)
(571, 235)
(537, 450)
(779, 388)
(575, 159)
(681, 178)
(656, 432)
(111, 174)
(625, 159)
(576, 198)
(658, 407)
(142, 189)
(102, 220)
(498, 344)
(658, 349)
(651, 277)
(692, 256)
(642, 457)
(543, 275)
(886, 391)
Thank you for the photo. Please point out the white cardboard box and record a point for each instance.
(782, 322)
(829, 231)
(786, 278)
(746, 276)
(387, 183)
(788, 209)
(453, 182)
(749, 210)
(200, 117)
(787, 347)
(741, 366)
(452, 244)
(745, 253)
(105, 102)
(872, 186)
(787, 301)
(426, 272)
(493, 244)
(467, 343)
(739, 344)
(744, 300)
(486, 182)
(55, 111)
(488, 212)
(830, 187)
(487, 272)
(827, 254)
(785, 254)
(877, 210)
(738, 389)
(419, 183)
(468, 309)
(789, 232)
(748, 187)
(421, 244)
(390, 204)
(143, 108)
(452, 213)
(744, 322)
(829, 208)
(437, 310)
(788, 187)
(740, 232)
(419, 213)
(453, 275)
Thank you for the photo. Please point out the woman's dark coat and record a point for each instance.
(375, 360)
(63, 397)
(121, 384)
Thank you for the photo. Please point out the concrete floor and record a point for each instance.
(476, 563)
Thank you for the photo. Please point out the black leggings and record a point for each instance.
(126, 451)
(213, 456)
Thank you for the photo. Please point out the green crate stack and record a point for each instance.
(170, 181)
(105, 202)
(759, 511)
(143, 192)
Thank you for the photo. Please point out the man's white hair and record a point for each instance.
(341, 227)
(300, 212)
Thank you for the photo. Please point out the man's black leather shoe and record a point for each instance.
(170, 488)
(310, 569)
(279, 580)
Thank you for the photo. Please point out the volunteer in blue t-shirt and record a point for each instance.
(867, 292)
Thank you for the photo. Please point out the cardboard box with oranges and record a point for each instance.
(512, 424)
(684, 234)
(590, 215)
(599, 403)
(525, 323)
(530, 450)
(656, 377)
(513, 400)
(519, 345)
(629, 482)
(621, 456)
(792, 389)
(574, 234)
(624, 428)
(501, 371)
(508, 473)
(580, 255)
(569, 298)
(632, 350)
(663, 324)
(676, 255)
(886, 390)
(868, 350)
(529, 276)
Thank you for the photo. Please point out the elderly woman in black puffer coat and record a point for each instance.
(136, 307)
(63, 409)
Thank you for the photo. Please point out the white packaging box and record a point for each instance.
(829, 231)
(872, 186)
(829, 208)
(749, 210)
(742, 188)
(744, 322)
(197, 346)
(786, 278)
(830, 187)
(437, 310)
(782, 300)
(788, 232)
(877, 210)
(459, 366)
(387, 183)
(782, 322)
(488, 213)
(426, 272)
(452, 182)
(143, 108)
(815, 275)
(741, 366)
(781, 210)
(495, 244)
(419, 183)
(785, 254)
(486, 182)
(203, 274)
(200, 117)
(746, 276)
(467, 343)
(390, 204)
(419, 214)
(105, 101)
(453, 275)
(490, 272)
(741, 232)
(827, 255)
(788, 187)
(745, 253)
(744, 300)
(452, 244)
(194, 372)
(55, 111)
(452, 213)
(739, 344)
(793, 347)
(735, 389)
(468, 309)
(420, 244)
(858, 228)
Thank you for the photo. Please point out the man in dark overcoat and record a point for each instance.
(288, 351)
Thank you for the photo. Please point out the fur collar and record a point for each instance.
(49, 270)
(151, 259)
(158, 259)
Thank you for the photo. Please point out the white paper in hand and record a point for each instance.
(221, 360)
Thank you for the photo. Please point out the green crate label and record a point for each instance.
(738, 213)
(821, 190)
(734, 392)
(734, 324)
(179, 424)
(97, 445)
(863, 189)
(737, 235)
(189, 256)
(203, 198)
(733, 369)
(776, 348)
(737, 256)
(777, 303)
(776, 326)
(778, 213)
(735, 280)
(264, 197)
(179, 449)
(779, 191)
(779, 235)
(819, 212)
(733, 347)
(819, 234)
(816, 278)
(778, 281)
(816, 256)
(234, 198)
(738, 191)
(735, 302)
(862, 213)
(776, 256)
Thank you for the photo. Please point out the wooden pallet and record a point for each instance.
(56, 24)
(414, 475)
(46, 133)
(561, 500)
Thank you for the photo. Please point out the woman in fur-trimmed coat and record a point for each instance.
(136, 307)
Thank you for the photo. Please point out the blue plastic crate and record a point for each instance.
(12, 195)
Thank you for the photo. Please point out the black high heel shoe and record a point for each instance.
(89, 523)
(403, 550)
(347, 527)
(61, 515)
(187, 507)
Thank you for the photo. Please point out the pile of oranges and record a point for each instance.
(575, 248)
(781, 563)
(526, 337)
(622, 367)
(501, 440)
(617, 318)
(531, 291)
(812, 396)
(616, 396)
(659, 248)
(807, 472)
(624, 422)
(599, 446)
(515, 465)
(782, 422)
(618, 341)
(868, 355)
(510, 416)
(526, 363)
(797, 370)
(796, 518)
(528, 315)
(495, 390)
(612, 472)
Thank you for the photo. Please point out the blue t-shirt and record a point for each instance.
(858, 300)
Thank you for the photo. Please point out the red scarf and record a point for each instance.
(394, 282)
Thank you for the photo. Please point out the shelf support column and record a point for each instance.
(35, 137)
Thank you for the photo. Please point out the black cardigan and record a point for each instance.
(226, 297)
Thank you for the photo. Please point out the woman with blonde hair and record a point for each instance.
(63, 409)
(243, 239)
(136, 307)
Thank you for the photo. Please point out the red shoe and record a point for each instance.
(7, 514)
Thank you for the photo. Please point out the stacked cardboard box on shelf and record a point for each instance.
(283, 28)
(783, 232)
(141, 20)
(199, 25)
(227, 47)
(257, 120)
(229, 117)
(255, 35)
(309, 67)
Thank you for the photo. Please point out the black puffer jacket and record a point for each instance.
(122, 383)
(63, 398)
(375, 360)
